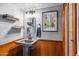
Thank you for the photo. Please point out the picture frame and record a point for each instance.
(50, 21)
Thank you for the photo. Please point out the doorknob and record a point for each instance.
(72, 40)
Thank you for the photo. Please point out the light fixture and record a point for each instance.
(30, 12)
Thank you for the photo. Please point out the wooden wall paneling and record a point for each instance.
(54, 48)
(10, 49)
(59, 49)
(37, 49)
(44, 48)
(47, 48)
(51, 48)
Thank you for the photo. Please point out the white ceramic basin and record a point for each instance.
(26, 42)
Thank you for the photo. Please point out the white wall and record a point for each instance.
(78, 28)
(17, 12)
(11, 9)
(4, 28)
(49, 35)
(70, 29)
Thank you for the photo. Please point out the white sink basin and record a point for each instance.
(25, 42)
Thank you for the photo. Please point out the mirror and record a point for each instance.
(31, 27)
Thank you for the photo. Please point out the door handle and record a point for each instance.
(72, 40)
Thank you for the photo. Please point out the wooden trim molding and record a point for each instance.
(73, 29)
(66, 29)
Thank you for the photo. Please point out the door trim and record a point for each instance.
(66, 29)
(74, 29)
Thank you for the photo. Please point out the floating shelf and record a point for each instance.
(18, 27)
(14, 30)
(8, 18)
(9, 30)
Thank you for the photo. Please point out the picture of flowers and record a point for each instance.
(50, 21)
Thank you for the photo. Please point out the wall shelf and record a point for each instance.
(10, 29)
(7, 19)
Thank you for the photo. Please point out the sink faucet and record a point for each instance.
(29, 37)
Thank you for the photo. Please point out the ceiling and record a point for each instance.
(26, 6)
(37, 5)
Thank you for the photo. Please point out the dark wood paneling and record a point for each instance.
(47, 48)
(10, 49)
(41, 48)
(37, 49)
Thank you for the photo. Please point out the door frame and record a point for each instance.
(66, 29)
(74, 29)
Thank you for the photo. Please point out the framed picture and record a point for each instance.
(50, 21)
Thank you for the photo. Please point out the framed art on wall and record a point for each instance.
(50, 21)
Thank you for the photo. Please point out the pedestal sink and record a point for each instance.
(27, 46)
